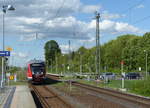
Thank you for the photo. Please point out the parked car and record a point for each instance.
(132, 75)
(107, 75)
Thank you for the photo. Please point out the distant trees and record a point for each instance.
(52, 50)
(116, 51)
(127, 48)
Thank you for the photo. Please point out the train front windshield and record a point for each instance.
(37, 68)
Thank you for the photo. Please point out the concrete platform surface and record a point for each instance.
(22, 98)
(4, 93)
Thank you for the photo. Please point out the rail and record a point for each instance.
(48, 98)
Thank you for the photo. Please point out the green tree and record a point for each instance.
(52, 50)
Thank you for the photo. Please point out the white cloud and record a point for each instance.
(33, 16)
(29, 20)
(28, 37)
(107, 25)
(140, 6)
(65, 48)
(19, 54)
(125, 27)
(113, 27)
(70, 27)
(90, 8)
(107, 15)
(61, 22)
(91, 40)
(22, 55)
(36, 16)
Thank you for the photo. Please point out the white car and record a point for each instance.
(107, 75)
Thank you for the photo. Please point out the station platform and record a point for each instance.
(20, 98)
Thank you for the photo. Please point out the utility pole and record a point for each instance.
(80, 62)
(56, 62)
(51, 64)
(146, 65)
(69, 63)
(97, 44)
(146, 54)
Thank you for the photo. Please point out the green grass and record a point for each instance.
(12, 83)
(140, 87)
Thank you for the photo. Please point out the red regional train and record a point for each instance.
(36, 71)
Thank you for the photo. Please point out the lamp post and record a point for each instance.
(80, 62)
(51, 65)
(4, 9)
(63, 64)
(146, 54)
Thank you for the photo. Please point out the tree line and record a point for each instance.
(131, 49)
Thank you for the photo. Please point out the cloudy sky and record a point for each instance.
(36, 21)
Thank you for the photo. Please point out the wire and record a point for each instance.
(141, 1)
(142, 19)
(59, 9)
(57, 12)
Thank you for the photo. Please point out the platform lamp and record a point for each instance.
(4, 9)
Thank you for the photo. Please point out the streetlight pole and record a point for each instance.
(56, 62)
(63, 65)
(80, 62)
(146, 54)
(4, 9)
(51, 65)
(2, 78)
(69, 61)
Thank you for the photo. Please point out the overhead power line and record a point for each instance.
(59, 9)
(140, 2)
(142, 19)
(132, 7)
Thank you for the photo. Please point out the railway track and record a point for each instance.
(54, 77)
(48, 98)
(142, 102)
(139, 101)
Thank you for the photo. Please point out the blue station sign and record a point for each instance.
(4, 53)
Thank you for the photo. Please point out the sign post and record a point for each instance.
(3, 54)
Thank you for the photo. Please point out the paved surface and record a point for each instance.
(22, 98)
(8, 100)
(4, 93)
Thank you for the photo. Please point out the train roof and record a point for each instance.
(36, 61)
